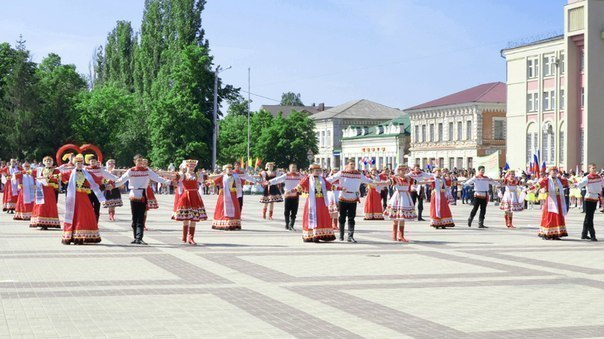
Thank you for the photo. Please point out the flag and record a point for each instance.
(250, 162)
(242, 162)
(506, 167)
(543, 167)
(535, 168)
(258, 162)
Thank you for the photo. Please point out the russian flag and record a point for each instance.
(543, 167)
(506, 167)
(535, 168)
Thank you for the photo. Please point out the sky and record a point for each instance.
(399, 53)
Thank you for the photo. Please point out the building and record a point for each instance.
(453, 130)
(555, 92)
(287, 110)
(383, 145)
(330, 124)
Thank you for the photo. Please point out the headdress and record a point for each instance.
(314, 167)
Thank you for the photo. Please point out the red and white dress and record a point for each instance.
(316, 221)
(190, 205)
(449, 190)
(45, 213)
(227, 215)
(510, 201)
(11, 190)
(400, 205)
(373, 204)
(440, 213)
(25, 199)
(554, 209)
(151, 199)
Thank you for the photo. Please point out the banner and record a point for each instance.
(490, 163)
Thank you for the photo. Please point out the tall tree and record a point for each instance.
(291, 99)
(119, 55)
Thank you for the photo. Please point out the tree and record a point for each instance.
(119, 56)
(232, 138)
(291, 99)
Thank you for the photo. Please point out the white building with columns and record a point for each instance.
(453, 130)
(330, 124)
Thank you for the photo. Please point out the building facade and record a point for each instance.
(553, 86)
(383, 145)
(330, 124)
(453, 130)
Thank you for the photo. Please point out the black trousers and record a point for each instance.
(384, 197)
(138, 208)
(420, 203)
(240, 203)
(96, 205)
(290, 210)
(347, 210)
(482, 203)
(588, 222)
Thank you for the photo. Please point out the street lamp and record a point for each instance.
(310, 155)
(215, 114)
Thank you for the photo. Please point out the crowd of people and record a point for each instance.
(31, 192)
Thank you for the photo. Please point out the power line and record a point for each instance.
(260, 96)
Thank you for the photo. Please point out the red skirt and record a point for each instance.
(552, 224)
(84, 228)
(446, 219)
(373, 205)
(221, 221)
(46, 214)
(9, 202)
(151, 199)
(23, 210)
(190, 207)
(176, 198)
(324, 230)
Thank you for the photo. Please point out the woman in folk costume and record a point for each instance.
(79, 224)
(227, 215)
(45, 213)
(27, 190)
(151, 199)
(113, 196)
(448, 186)
(554, 209)
(400, 206)
(271, 193)
(373, 202)
(11, 188)
(333, 197)
(182, 168)
(440, 213)
(190, 208)
(316, 221)
(511, 202)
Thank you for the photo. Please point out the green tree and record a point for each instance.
(232, 138)
(291, 99)
(119, 55)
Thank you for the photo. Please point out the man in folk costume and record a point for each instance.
(99, 174)
(417, 190)
(11, 189)
(80, 224)
(26, 196)
(553, 225)
(400, 206)
(350, 182)
(291, 180)
(45, 213)
(244, 177)
(113, 196)
(594, 183)
(316, 222)
(510, 202)
(227, 214)
(481, 195)
(138, 178)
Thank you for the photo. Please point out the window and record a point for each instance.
(562, 100)
(545, 101)
(417, 161)
(582, 60)
(529, 147)
(470, 162)
(318, 135)
(451, 163)
(561, 147)
(532, 67)
(499, 130)
(532, 102)
(549, 64)
(549, 100)
(545, 148)
(469, 130)
(328, 138)
(423, 133)
(552, 147)
(450, 131)
(416, 133)
(459, 129)
(576, 19)
(561, 65)
(440, 132)
(582, 96)
(582, 146)
(441, 162)
(460, 162)
(431, 132)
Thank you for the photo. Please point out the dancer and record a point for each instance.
(27, 189)
(45, 213)
(316, 222)
(448, 186)
(11, 189)
(333, 197)
(554, 209)
(227, 214)
(80, 224)
(417, 190)
(113, 196)
(190, 208)
(99, 174)
(481, 196)
(138, 178)
(244, 177)
(400, 206)
(291, 180)
(373, 202)
(385, 190)
(594, 185)
(440, 213)
(271, 193)
(511, 202)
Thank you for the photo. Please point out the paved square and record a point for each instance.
(264, 282)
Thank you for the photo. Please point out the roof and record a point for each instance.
(493, 92)
(359, 109)
(371, 133)
(536, 42)
(287, 110)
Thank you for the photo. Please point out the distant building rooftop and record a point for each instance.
(359, 109)
(287, 110)
(493, 92)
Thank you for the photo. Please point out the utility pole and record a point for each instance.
(215, 114)
(248, 114)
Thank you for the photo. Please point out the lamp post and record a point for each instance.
(310, 155)
(215, 114)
